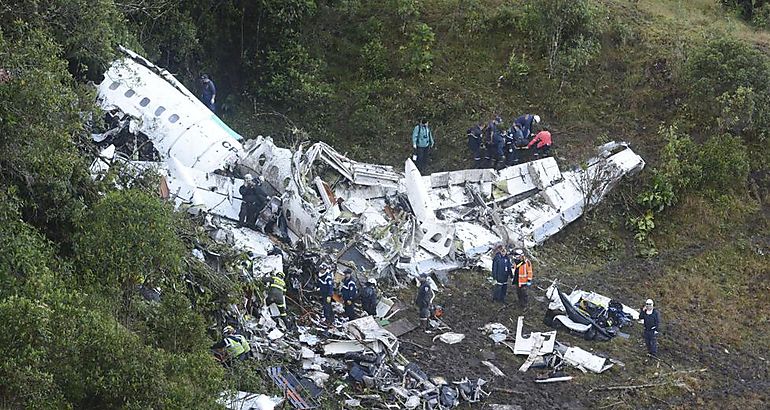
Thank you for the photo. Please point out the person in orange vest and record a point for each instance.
(522, 276)
(543, 141)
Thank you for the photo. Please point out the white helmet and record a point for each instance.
(248, 177)
(648, 302)
(372, 281)
(518, 252)
(537, 119)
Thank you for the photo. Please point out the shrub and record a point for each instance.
(568, 30)
(718, 67)
(375, 59)
(418, 51)
(517, 66)
(725, 165)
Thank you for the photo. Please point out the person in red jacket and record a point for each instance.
(543, 141)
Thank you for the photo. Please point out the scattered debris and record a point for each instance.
(378, 221)
(240, 400)
(590, 314)
(494, 369)
(497, 332)
(295, 392)
(526, 345)
(401, 327)
(450, 338)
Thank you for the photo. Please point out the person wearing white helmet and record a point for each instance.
(253, 199)
(369, 296)
(525, 122)
(651, 319)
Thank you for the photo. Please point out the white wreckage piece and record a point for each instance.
(556, 304)
(386, 219)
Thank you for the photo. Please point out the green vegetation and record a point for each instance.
(684, 81)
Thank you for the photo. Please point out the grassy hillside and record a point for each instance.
(685, 81)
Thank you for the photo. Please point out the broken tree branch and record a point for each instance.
(638, 386)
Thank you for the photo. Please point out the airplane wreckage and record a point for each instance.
(372, 217)
(382, 222)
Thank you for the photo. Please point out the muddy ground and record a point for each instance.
(689, 373)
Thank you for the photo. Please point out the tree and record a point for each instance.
(567, 30)
(127, 239)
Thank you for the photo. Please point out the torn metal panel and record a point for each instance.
(368, 330)
(417, 193)
(437, 238)
(571, 324)
(525, 345)
(586, 360)
(340, 347)
(401, 327)
(241, 400)
(383, 307)
(544, 172)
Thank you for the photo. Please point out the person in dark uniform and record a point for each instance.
(349, 292)
(651, 319)
(501, 272)
(326, 285)
(208, 92)
(475, 136)
(424, 301)
(369, 296)
(253, 199)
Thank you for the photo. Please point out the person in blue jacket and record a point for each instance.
(475, 136)
(349, 292)
(501, 273)
(208, 92)
(525, 123)
(326, 286)
(512, 139)
(495, 144)
(422, 141)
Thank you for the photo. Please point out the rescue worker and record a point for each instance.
(276, 292)
(474, 143)
(424, 301)
(369, 296)
(651, 319)
(501, 272)
(512, 141)
(525, 123)
(253, 199)
(208, 92)
(522, 276)
(495, 144)
(326, 285)
(422, 141)
(520, 140)
(543, 141)
(349, 292)
(234, 346)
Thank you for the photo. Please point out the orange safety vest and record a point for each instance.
(523, 270)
